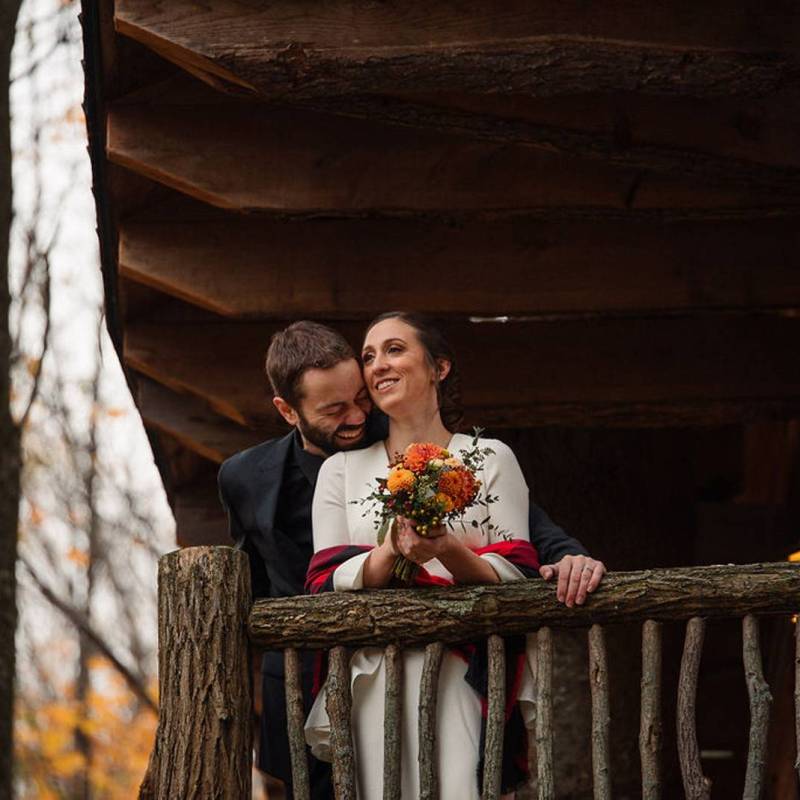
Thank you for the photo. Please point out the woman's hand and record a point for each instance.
(420, 549)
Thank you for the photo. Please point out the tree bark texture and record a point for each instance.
(392, 724)
(428, 693)
(694, 782)
(650, 726)
(760, 701)
(295, 720)
(601, 713)
(417, 617)
(544, 715)
(203, 745)
(338, 705)
(9, 434)
(493, 755)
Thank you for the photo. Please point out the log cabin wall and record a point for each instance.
(601, 202)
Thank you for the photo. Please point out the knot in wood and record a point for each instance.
(488, 604)
(294, 59)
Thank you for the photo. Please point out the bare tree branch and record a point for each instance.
(80, 622)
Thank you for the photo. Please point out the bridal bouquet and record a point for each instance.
(430, 486)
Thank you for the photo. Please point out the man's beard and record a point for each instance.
(326, 440)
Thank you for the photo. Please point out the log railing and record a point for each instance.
(206, 620)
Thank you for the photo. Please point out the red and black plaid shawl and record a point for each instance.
(524, 557)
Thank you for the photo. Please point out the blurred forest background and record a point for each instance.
(93, 515)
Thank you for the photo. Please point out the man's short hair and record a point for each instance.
(302, 346)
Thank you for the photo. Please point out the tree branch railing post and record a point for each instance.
(203, 740)
(203, 744)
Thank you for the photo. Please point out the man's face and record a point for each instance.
(333, 411)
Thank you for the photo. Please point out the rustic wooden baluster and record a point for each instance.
(598, 681)
(760, 701)
(797, 693)
(544, 715)
(695, 786)
(495, 719)
(295, 720)
(392, 721)
(429, 685)
(650, 724)
(338, 707)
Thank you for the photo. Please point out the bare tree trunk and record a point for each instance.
(9, 434)
(83, 741)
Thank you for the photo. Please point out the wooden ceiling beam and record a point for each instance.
(251, 268)
(618, 142)
(322, 49)
(633, 372)
(255, 158)
(191, 423)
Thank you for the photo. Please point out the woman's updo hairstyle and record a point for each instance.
(436, 347)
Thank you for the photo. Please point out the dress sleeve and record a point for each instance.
(337, 564)
(509, 550)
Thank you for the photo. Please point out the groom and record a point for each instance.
(267, 493)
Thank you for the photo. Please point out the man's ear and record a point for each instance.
(286, 411)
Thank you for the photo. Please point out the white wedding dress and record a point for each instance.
(337, 521)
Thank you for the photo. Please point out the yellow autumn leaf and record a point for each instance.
(36, 514)
(78, 556)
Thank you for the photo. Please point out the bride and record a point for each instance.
(412, 377)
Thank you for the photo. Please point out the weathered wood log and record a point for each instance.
(190, 422)
(428, 750)
(518, 49)
(650, 729)
(797, 695)
(218, 263)
(295, 720)
(601, 715)
(203, 744)
(459, 614)
(760, 701)
(695, 784)
(392, 724)
(684, 371)
(495, 721)
(543, 732)
(480, 119)
(302, 163)
(338, 704)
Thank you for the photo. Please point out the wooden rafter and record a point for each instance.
(244, 267)
(545, 49)
(643, 371)
(256, 158)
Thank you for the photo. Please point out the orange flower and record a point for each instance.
(400, 480)
(459, 485)
(445, 502)
(418, 455)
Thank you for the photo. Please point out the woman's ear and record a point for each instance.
(442, 369)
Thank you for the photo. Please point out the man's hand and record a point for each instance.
(577, 577)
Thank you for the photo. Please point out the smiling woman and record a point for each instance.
(411, 375)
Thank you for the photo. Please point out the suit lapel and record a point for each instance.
(270, 479)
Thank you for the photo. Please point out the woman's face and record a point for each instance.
(397, 370)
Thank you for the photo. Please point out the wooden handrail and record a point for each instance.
(414, 617)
